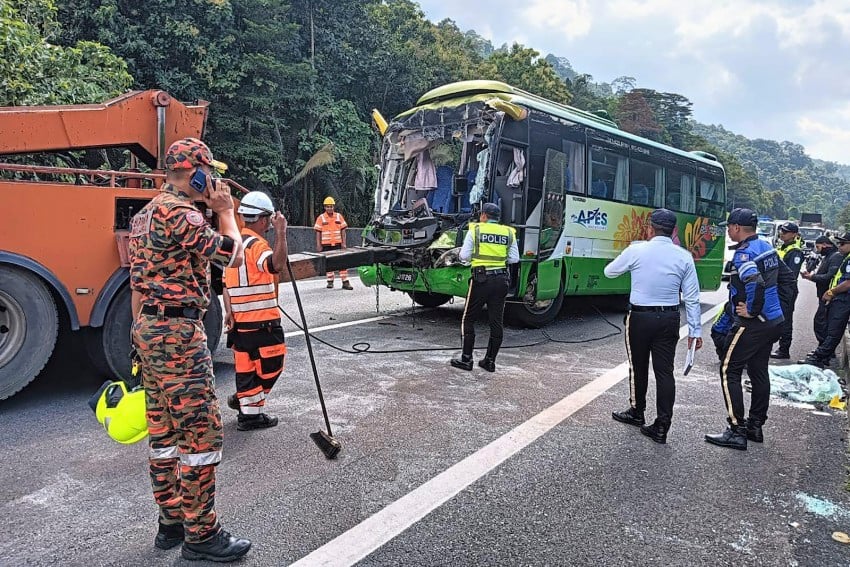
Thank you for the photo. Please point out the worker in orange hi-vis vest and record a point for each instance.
(330, 235)
(251, 309)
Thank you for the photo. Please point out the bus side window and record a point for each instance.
(574, 174)
(681, 191)
(646, 181)
(608, 174)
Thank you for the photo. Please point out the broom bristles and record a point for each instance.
(327, 444)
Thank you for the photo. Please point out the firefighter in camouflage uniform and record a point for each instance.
(171, 247)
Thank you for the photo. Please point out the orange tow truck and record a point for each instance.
(63, 230)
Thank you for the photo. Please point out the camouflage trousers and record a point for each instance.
(184, 421)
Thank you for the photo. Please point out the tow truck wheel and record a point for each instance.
(109, 345)
(534, 314)
(29, 324)
(426, 299)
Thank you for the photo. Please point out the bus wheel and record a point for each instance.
(109, 345)
(29, 324)
(426, 299)
(534, 314)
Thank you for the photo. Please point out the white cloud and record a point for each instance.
(764, 68)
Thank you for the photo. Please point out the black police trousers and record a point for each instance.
(490, 290)
(748, 346)
(654, 334)
(838, 312)
(821, 321)
(788, 326)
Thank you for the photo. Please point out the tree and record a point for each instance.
(522, 67)
(635, 115)
(35, 71)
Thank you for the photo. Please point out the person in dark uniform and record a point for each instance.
(790, 252)
(753, 291)
(831, 260)
(837, 298)
(490, 246)
(660, 271)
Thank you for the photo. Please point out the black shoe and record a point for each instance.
(251, 422)
(657, 431)
(487, 364)
(461, 363)
(754, 432)
(780, 355)
(630, 416)
(813, 362)
(330, 285)
(733, 437)
(233, 402)
(168, 536)
(222, 548)
(346, 285)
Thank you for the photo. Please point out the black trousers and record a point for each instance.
(788, 326)
(489, 290)
(821, 321)
(655, 334)
(838, 312)
(748, 346)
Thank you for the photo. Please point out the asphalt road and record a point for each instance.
(457, 468)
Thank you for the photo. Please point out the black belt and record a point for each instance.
(654, 308)
(254, 325)
(173, 311)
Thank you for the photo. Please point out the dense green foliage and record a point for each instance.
(287, 77)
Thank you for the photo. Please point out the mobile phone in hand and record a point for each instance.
(199, 181)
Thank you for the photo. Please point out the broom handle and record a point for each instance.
(309, 347)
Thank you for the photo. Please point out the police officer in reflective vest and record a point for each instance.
(490, 246)
(252, 316)
(791, 252)
(171, 247)
(837, 299)
(753, 291)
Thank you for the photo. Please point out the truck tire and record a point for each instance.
(109, 345)
(426, 299)
(29, 324)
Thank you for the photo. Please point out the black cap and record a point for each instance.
(789, 227)
(844, 238)
(824, 240)
(492, 211)
(743, 217)
(664, 218)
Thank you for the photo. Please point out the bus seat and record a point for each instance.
(440, 199)
(599, 189)
(640, 194)
(673, 201)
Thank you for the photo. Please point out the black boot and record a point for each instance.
(780, 354)
(754, 432)
(259, 421)
(168, 536)
(487, 364)
(657, 431)
(464, 362)
(814, 362)
(631, 416)
(735, 437)
(233, 402)
(222, 547)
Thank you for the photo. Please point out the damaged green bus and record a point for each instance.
(576, 188)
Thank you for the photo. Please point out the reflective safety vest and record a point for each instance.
(331, 228)
(796, 244)
(842, 269)
(251, 286)
(490, 244)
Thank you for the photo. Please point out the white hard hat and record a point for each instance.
(255, 203)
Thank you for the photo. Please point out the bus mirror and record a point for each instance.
(461, 185)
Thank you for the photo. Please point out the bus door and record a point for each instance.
(551, 222)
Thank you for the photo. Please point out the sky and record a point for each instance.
(775, 69)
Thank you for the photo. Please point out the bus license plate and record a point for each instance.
(405, 277)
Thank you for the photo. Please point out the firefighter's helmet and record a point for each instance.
(121, 411)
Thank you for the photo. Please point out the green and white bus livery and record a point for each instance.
(576, 188)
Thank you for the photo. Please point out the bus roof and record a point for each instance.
(467, 89)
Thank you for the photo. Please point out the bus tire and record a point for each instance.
(109, 345)
(534, 315)
(426, 299)
(29, 325)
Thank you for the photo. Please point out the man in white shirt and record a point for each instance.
(660, 270)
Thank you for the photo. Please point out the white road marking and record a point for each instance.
(369, 535)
